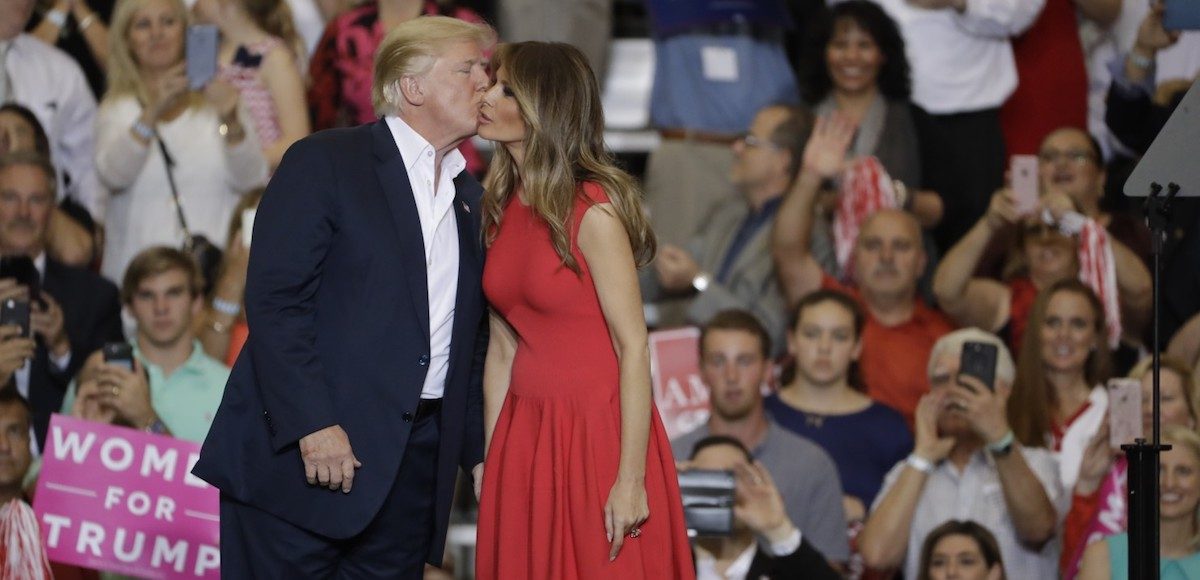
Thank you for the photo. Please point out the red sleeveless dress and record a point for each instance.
(554, 452)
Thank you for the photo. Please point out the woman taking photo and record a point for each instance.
(1178, 506)
(821, 400)
(575, 447)
(214, 157)
(259, 53)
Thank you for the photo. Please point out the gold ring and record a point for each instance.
(635, 532)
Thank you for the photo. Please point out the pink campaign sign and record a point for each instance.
(125, 501)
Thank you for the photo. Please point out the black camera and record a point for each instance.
(708, 497)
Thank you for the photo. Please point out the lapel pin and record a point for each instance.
(465, 207)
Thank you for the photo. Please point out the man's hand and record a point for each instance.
(14, 350)
(48, 322)
(128, 393)
(676, 268)
(825, 153)
(928, 445)
(985, 410)
(477, 475)
(10, 289)
(328, 459)
(759, 504)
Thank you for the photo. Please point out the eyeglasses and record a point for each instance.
(751, 141)
(1076, 156)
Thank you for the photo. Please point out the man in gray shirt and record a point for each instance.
(734, 364)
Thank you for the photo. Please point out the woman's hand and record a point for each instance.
(1151, 35)
(166, 91)
(1002, 210)
(1096, 463)
(625, 511)
(223, 97)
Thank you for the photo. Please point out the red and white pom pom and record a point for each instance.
(1097, 269)
(23, 556)
(865, 188)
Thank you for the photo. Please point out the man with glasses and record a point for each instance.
(74, 310)
(728, 262)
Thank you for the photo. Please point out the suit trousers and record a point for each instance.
(262, 546)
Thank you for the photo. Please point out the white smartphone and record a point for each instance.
(1124, 411)
(201, 55)
(248, 226)
(1023, 170)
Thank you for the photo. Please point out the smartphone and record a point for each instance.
(119, 354)
(979, 361)
(1023, 170)
(1181, 15)
(201, 55)
(22, 269)
(1124, 411)
(14, 311)
(248, 226)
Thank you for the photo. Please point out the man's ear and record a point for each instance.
(411, 90)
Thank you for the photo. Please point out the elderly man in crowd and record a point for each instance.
(734, 365)
(888, 260)
(74, 311)
(727, 263)
(966, 465)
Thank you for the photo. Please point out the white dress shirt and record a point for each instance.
(706, 563)
(211, 176)
(439, 230)
(976, 494)
(50, 83)
(962, 62)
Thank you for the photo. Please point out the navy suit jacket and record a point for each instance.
(338, 309)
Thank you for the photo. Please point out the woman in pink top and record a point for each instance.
(258, 55)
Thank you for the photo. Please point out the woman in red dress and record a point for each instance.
(579, 481)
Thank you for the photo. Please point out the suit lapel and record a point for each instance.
(393, 178)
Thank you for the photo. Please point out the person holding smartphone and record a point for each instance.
(764, 543)
(162, 382)
(967, 464)
(67, 311)
(213, 157)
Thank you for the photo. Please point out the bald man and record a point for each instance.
(888, 260)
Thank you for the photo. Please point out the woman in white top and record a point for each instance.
(215, 158)
(1059, 396)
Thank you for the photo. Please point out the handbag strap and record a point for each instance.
(169, 161)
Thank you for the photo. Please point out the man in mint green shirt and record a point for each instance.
(174, 387)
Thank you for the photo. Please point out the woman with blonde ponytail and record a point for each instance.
(575, 447)
(260, 54)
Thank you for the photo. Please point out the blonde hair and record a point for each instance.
(124, 74)
(410, 50)
(1190, 380)
(1181, 437)
(559, 100)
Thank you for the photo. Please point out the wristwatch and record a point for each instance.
(700, 282)
(157, 427)
(1002, 447)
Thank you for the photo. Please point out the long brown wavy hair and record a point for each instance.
(1034, 400)
(559, 100)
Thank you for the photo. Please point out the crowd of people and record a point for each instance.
(830, 200)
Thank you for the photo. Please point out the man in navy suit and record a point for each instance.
(358, 393)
